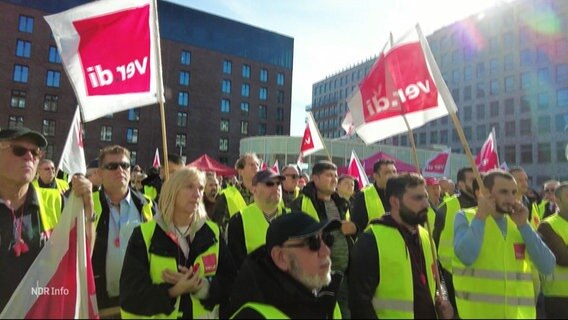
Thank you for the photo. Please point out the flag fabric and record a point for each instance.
(264, 166)
(312, 141)
(275, 167)
(73, 155)
(60, 282)
(355, 169)
(109, 50)
(405, 80)
(156, 162)
(504, 166)
(437, 166)
(487, 158)
(347, 125)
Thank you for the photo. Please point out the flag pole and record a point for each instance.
(319, 134)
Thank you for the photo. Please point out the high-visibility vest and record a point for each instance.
(499, 283)
(255, 226)
(60, 185)
(296, 194)
(542, 207)
(235, 200)
(159, 263)
(395, 299)
(151, 192)
(536, 216)
(50, 206)
(556, 285)
(308, 207)
(271, 312)
(446, 245)
(431, 219)
(146, 209)
(373, 203)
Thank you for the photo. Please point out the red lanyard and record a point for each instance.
(20, 246)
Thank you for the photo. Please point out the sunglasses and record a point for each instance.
(293, 176)
(314, 242)
(20, 151)
(115, 165)
(273, 183)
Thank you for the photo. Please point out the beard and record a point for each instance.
(314, 281)
(504, 208)
(411, 217)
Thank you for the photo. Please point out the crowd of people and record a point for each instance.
(285, 245)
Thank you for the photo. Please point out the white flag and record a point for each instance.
(73, 155)
(437, 166)
(356, 170)
(311, 142)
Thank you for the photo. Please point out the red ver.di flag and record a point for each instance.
(404, 80)
(108, 49)
(311, 141)
(487, 158)
(437, 166)
(356, 170)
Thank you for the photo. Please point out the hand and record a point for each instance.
(444, 308)
(183, 282)
(485, 206)
(520, 214)
(81, 186)
(348, 228)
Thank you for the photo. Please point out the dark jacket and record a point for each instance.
(101, 241)
(259, 280)
(310, 191)
(140, 296)
(359, 214)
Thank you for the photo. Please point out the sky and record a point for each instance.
(333, 35)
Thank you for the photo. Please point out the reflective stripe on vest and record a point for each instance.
(499, 283)
(159, 263)
(308, 207)
(255, 226)
(235, 200)
(556, 285)
(146, 209)
(446, 245)
(50, 206)
(373, 203)
(271, 312)
(395, 299)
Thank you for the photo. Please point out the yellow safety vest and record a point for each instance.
(308, 207)
(431, 219)
(235, 200)
(542, 208)
(50, 206)
(556, 285)
(255, 226)
(536, 216)
(373, 203)
(146, 209)
(159, 263)
(499, 283)
(446, 245)
(61, 185)
(151, 192)
(394, 299)
(271, 312)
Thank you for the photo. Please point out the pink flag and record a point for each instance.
(110, 52)
(404, 80)
(60, 282)
(355, 169)
(156, 162)
(437, 166)
(264, 166)
(73, 155)
(311, 142)
(487, 157)
(275, 167)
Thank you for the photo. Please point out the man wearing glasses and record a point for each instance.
(290, 186)
(119, 209)
(46, 177)
(290, 277)
(27, 214)
(548, 206)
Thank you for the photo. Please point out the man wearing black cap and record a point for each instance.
(290, 276)
(26, 221)
(247, 228)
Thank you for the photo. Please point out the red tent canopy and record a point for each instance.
(369, 162)
(206, 163)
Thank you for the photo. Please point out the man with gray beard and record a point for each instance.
(290, 277)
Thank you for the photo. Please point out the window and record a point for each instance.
(480, 90)
(480, 111)
(53, 79)
(510, 128)
(493, 87)
(509, 106)
(280, 130)
(467, 133)
(494, 109)
(26, 24)
(23, 48)
(183, 98)
(262, 114)
(467, 113)
(561, 122)
(511, 154)
(181, 140)
(263, 94)
(525, 127)
(467, 93)
(543, 125)
(279, 114)
(526, 153)
(509, 84)
(422, 138)
(542, 100)
(244, 127)
(263, 75)
(48, 128)
(543, 77)
(185, 57)
(480, 70)
(493, 66)
(106, 133)
(133, 157)
(562, 97)
(20, 73)
(15, 121)
(226, 86)
(18, 99)
(262, 129)
(245, 71)
(526, 58)
(561, 48)
(227, 66)
(280, 79)
(50, 102)
(132, 135)
(184, 78)
(481, 132)
(225, 105)
(526, 80)
(455, 56)
(245, 89)
(133, 114)
(182, 119)
(244, 108)
(526, 103)
(53, 56)
(434, 137)
(223, 144)
(508, 39)
(560, 151)
(49, 151)
(455, 76)
(508, 62)
(562, 72)
(224, 125)
(542, 53)
(456, 95)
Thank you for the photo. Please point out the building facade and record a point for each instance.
(507, 69)
(223, 80)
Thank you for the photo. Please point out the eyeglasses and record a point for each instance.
(293, 176)
(20, 151)
(314, 242)
(115, 165)
(273, 183)
(548, 190)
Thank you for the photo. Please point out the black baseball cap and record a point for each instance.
(296, 224)
(19, 132)
(265, 176)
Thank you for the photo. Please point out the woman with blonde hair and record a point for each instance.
(177, 266)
